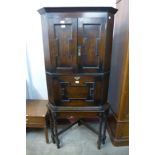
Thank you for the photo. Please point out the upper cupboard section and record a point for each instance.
(77, 42)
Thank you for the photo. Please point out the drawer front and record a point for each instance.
(32, 121)
(77, 90)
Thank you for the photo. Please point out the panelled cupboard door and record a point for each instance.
(91, 44)
(63, 44)
(77, 44)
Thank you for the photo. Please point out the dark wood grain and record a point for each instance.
(91, 41)
(77, 42)
(77, 51)
(90, 90)
(63, 44)
(76, 9)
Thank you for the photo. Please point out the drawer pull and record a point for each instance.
(77, 82)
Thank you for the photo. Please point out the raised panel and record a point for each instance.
(63, 44)
(91, 44)
(89, 91)
(76, 89)
(81, 92)
(72, 92)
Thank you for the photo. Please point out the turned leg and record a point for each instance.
(51, 126)
(79, 122)
(55, 129)
(105, 126)
(100, 131)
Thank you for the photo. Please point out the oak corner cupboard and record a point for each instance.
(77, 51)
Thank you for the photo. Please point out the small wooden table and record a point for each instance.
(36, 115)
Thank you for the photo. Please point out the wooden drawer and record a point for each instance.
(77, 90)
(32, 121)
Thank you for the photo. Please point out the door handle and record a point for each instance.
(79, 51)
